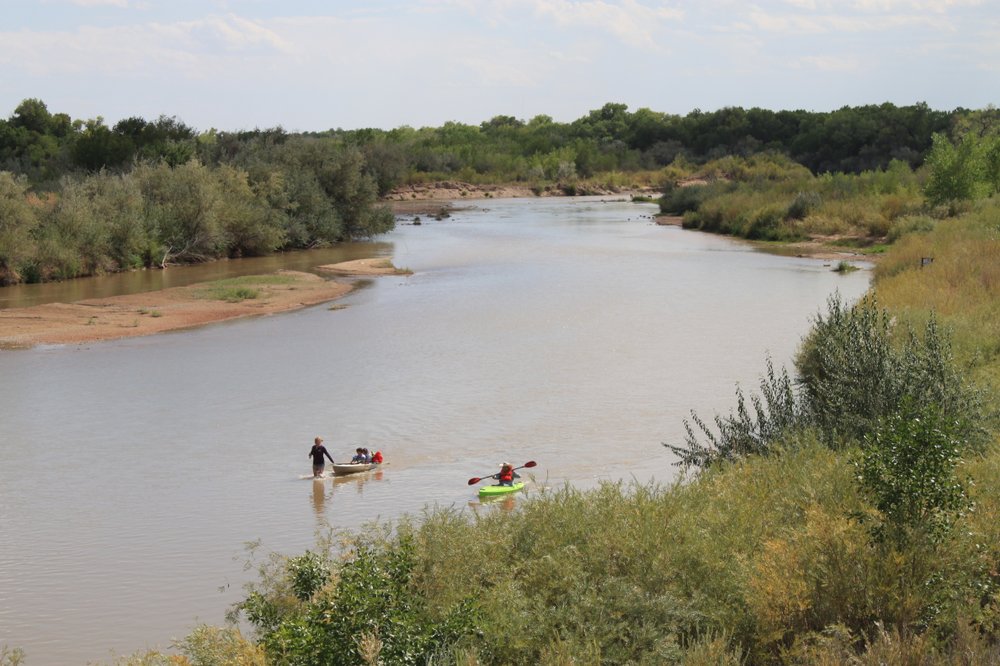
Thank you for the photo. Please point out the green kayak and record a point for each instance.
(493, 491)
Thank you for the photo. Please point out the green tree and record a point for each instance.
(252, 226)
(97, 147)
(907, 467)
(18, 219)
(183, 206)
(955, 170)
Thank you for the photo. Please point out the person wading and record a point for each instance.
(317, 452)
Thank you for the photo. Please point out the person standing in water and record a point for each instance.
(317, 452)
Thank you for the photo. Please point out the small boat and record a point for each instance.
(493, 491)
(343, 469)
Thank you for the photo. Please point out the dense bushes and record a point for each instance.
(366, 614)
(768, 197)
(158, 214)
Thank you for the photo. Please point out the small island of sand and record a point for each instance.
(177, 308)
(361, 267)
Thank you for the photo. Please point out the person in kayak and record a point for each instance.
(377, 458)
(317, 452)
(506, 475)
(359, 456)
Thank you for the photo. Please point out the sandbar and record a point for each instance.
(152, 312)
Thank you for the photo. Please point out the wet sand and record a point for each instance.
(177, 308)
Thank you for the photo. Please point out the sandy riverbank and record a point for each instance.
(433, 198)
(178, 308)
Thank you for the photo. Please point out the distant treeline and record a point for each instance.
(79, 197)
(45, 146)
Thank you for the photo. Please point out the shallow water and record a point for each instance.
(573, 332)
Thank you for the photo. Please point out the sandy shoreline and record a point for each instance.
(177, 308)
(433, 198)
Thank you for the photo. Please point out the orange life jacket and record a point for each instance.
(506, 473)
(377, 458)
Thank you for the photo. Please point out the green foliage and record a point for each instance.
(905, 226)
(363, 611)
(907, 466)
(250, 193)
(955, 170)
(17, 222)
(307, 573)
(853, 375)
(803, 204)
(773, 413)
(215, 646)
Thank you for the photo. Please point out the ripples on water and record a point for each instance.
(572, 332)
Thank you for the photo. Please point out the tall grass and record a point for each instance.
(961, 286)
(768, 198)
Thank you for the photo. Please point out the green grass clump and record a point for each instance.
(247, 287)
(228, 294)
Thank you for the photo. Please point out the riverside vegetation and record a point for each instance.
(847, 511)
(81, 198)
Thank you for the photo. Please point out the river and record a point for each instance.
(572, 332)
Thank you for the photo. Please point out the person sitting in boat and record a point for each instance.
(317, 452)
(367, 455)
(359, 456)
(506, 475)
(377, 457)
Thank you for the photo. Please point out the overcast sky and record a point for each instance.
(315, 65)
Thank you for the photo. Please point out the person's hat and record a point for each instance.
(503, 464)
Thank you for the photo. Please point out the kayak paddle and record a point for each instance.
(476, 479)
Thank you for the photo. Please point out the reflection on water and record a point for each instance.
(328, 487)
(504, 502)
(319, 496)
(559, 331)
(134, 282)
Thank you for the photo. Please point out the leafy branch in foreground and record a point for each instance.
(854, 371)
(774, 412)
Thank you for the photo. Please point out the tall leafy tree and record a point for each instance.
(17, 221)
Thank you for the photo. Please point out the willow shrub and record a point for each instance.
(857, 366)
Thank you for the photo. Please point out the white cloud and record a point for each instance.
(935, 6)
(631, 22)
(798, 24)
(385, 63)
(101, 3)
(830, 63)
